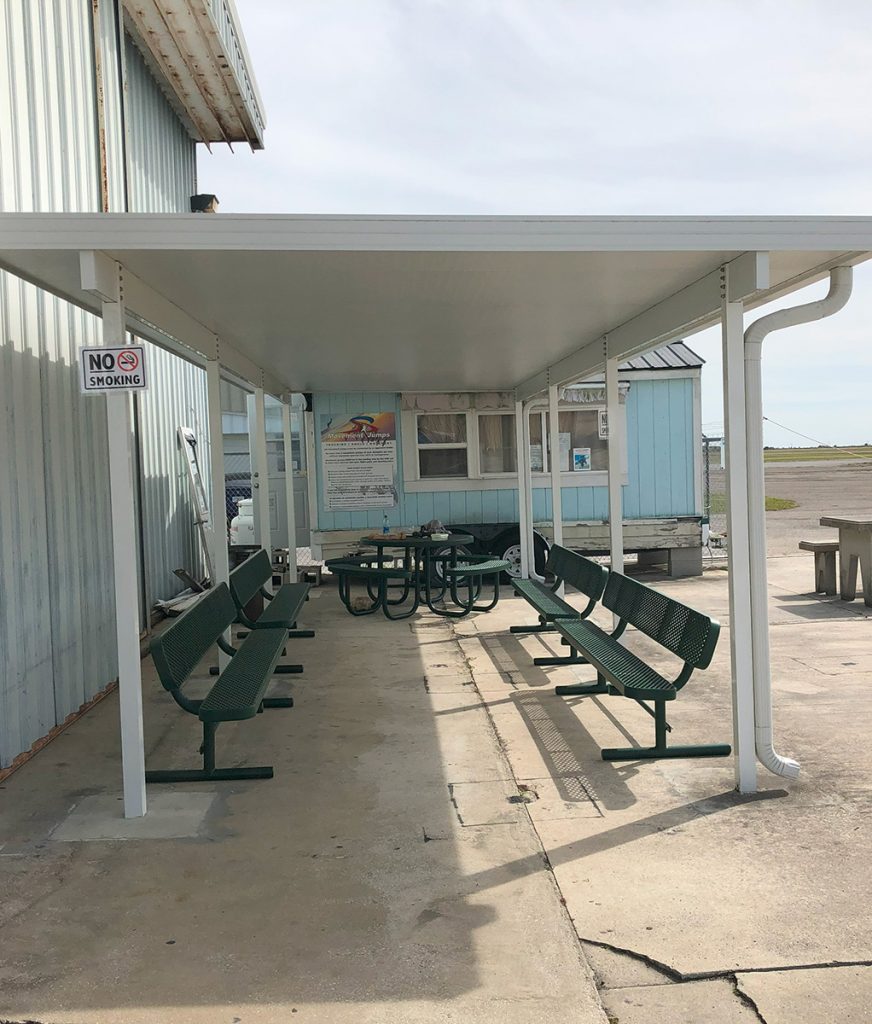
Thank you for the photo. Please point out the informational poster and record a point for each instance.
(359, 461)
(565, 452)
(580, 460)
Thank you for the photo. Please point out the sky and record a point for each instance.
(575, 107)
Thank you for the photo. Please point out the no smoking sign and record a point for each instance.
(113, 369)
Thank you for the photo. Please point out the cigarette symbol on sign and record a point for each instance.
(128, 361)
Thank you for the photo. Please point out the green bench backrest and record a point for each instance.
(247, 579)
(586, 576)
(687, 633)
(177, 651)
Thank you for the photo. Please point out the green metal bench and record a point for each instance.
(238, 692)
(249, 580)
(568, 567)
(378, 580)
(688, 634)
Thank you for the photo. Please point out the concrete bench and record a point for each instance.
(824, 563)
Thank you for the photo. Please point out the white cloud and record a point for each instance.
(566, 106)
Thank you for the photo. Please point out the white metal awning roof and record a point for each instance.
(427, 303)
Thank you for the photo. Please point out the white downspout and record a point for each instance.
(840, 291)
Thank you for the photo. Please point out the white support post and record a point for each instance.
(287, 413)
(260, 473)
(218, 499)
(738, 538)
(616, 466)
(556, 468)
(125, 547)
(523, 449)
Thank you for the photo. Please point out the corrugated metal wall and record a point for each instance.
(56, 612)
(161, 177)
(56, 602)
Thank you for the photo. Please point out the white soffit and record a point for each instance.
(417, 303)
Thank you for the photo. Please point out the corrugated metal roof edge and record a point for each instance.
(675, 355)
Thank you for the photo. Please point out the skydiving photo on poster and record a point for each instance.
(359, 461)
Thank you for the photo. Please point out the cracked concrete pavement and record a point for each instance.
(694, 903)
(442, 842)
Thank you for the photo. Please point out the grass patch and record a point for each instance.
(816, 454)
(719, 504)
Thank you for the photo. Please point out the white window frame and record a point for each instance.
(481, 473)
(414, 483)
(448, 445)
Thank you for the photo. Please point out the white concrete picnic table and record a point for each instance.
(855, 550)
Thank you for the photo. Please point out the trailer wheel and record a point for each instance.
(508, 547)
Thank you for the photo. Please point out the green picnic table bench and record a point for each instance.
(378, 579)
(569, 567)
(238, 693)
(471, 572)
(686, 633)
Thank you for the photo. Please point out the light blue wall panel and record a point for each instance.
(660, 449)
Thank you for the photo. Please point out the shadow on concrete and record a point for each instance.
(316, 887)
(822, 607)
(625, 833)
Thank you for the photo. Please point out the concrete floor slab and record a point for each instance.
(345, 888)
(842, 995)
(693, 1002)
(171, 815)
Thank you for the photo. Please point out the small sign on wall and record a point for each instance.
(106, 370)
(603, 424)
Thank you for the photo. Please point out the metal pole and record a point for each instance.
(220, 559)
(738, 543)
(616, 466)
(556, 468)
(126, 571)
(523, 449)
(260, 473)
(287, 413)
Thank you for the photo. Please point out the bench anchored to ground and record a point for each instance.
(683, 631)
(249, 579)
(824, 563)
(586, 576)
(237, 694)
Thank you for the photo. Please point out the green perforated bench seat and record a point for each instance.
(280, 609)
(240, 688)
(544, 600)
(569, 567)
(285, 607)
(686, 633)
(620, 666)
(485, 568)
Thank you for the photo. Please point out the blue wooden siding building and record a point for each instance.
(456, 463)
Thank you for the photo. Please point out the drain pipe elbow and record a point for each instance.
(841, 282)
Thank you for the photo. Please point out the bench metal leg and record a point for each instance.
(288, 670)
(660, 748)
(278, 702)
(572, 659)
(540, 627)
(582, 689)
(303, 634)
(209, 773)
